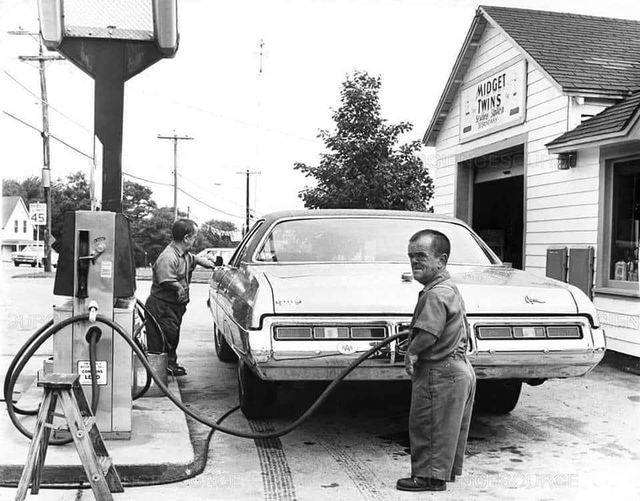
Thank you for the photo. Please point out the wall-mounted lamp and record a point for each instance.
(567, 160)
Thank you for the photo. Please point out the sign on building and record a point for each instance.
(38, 213)
(493, 102)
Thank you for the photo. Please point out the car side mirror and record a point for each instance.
(219, 261)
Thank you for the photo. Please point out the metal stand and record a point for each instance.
(97, 464)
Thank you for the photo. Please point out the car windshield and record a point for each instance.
(363, 240)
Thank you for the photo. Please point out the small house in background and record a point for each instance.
(537, 138)
(17, 229)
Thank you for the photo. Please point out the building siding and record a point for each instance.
(562, 205)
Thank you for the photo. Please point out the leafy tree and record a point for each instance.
(364, 166)
(29, 189)
(216, 233)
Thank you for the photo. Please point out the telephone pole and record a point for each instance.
(46, 169)
(175, 138)
(248, 173)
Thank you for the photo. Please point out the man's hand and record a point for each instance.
(206, 260)
(182, 295)
(410, 361)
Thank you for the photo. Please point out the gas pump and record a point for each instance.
(111, 42)
(96, 270)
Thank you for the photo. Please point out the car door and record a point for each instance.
(225, 294)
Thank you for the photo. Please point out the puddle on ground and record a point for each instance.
(513, 449)
(401, 438)
(634, 398)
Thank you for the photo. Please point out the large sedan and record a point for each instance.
(306, 291)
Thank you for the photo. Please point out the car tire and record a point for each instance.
(15, 263)
(33, 265)
(256, 395)
(223, 350)
(497, 397)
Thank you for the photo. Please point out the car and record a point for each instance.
(32, 255)
(308, 291)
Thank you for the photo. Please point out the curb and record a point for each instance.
(621, 361)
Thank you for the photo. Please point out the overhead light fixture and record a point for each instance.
(567, 160)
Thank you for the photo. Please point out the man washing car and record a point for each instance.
(442, 379)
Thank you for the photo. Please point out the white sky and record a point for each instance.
(211, 90)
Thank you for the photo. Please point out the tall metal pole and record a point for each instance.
(175, 138)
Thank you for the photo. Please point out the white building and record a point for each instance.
(537, 138)
(17, 229)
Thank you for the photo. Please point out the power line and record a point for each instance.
(77, 150)
(209, 205)
(202, 190)
(175, 138)
(29, 91)
(146, 180)
(182, 191)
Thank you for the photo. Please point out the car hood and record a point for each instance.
(378, 288)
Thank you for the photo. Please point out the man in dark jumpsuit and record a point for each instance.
(442, 380)
(170, 291)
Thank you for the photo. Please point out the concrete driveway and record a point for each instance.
(566, 439)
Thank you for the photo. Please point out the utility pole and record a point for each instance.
(248, 173)
(175, 138)
(46, 169)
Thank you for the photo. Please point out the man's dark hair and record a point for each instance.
(181, 228)
(440, 243)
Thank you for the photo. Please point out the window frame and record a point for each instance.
(623, 287)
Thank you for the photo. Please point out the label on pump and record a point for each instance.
(106, 269)
(84, 371)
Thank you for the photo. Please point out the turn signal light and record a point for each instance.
(293, 332)
(494, 332)
(569, 331)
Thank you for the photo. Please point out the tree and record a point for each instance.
(29, 189)
(364, 166)
(216, 233)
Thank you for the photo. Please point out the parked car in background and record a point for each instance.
(32, 255)
(307, 291)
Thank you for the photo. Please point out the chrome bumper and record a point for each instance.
(502, 365)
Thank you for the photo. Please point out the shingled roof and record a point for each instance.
(8, 204)
(581, 54)
(611, 122)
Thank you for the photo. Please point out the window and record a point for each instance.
(625, 224)
(361, 240)
(15, 226)
(24, 226)
(241, 251)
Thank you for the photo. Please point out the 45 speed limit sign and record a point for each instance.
(38, 213)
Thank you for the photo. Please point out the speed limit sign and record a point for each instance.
(38, 213)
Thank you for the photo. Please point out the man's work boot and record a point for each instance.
(418, 484)
(176, 370)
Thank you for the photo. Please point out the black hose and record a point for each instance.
(15, 369)
(147, 384)
(155, 324)
(95, 389)
(12, 366)
(212, 424)
(238, 433)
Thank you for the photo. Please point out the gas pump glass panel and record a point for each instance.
(310, 290)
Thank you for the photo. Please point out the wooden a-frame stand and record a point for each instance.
(97, 464)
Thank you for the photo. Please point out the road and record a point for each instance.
(566, 439)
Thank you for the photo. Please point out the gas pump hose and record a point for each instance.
(45, 333)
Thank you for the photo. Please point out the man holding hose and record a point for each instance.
(442, 380)
(170, 291)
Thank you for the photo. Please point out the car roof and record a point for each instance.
(287, 214)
